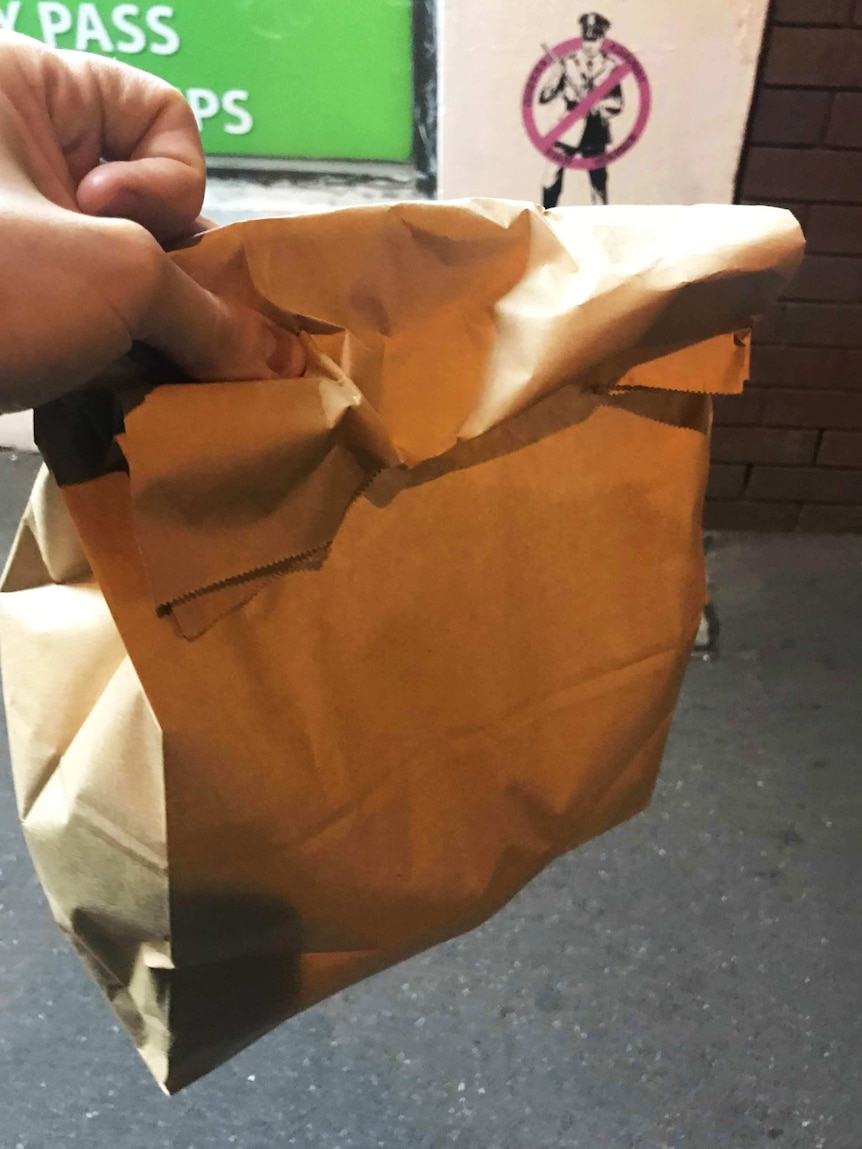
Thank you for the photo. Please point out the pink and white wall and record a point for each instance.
(700, 60)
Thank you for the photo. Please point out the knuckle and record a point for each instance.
(136, 267)
(176, 108)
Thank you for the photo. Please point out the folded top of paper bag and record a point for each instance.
(426, 324)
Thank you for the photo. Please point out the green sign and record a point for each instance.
(292, 78)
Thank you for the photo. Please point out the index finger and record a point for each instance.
(154, 171)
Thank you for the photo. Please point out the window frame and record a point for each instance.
(419, 174)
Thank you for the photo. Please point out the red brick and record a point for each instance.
(789, 116)
(797, 367)
(806, 174)
(738, 410)
(763, 445)
(822, 324)
(768, 327)
(812, 11)
(845, 121)
(740, 515)
(725, 482)
(835, 229)
(828, 278)
(805, 485)
(834, 520)
(841, 449)
(849, 372)
(813, 409)
(814, 57)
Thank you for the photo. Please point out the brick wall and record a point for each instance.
(788, 454)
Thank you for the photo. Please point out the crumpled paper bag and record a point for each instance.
(304, 676)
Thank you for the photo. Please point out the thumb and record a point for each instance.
(207, 336)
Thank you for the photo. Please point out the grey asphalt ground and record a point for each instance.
(692, 980)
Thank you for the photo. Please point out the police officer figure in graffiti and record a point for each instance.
(576, 76)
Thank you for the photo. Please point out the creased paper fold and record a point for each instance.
(432, 324)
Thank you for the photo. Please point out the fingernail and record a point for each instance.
(270, 348)
(284, 353)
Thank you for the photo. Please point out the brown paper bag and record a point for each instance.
(305, 676)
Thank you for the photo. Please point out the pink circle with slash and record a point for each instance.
(628, 65)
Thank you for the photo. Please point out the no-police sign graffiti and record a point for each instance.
(626, 69)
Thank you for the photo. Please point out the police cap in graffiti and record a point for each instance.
(594, 25)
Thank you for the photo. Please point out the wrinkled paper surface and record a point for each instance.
(304, 676)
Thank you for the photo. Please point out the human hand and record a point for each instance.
(83, 272)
